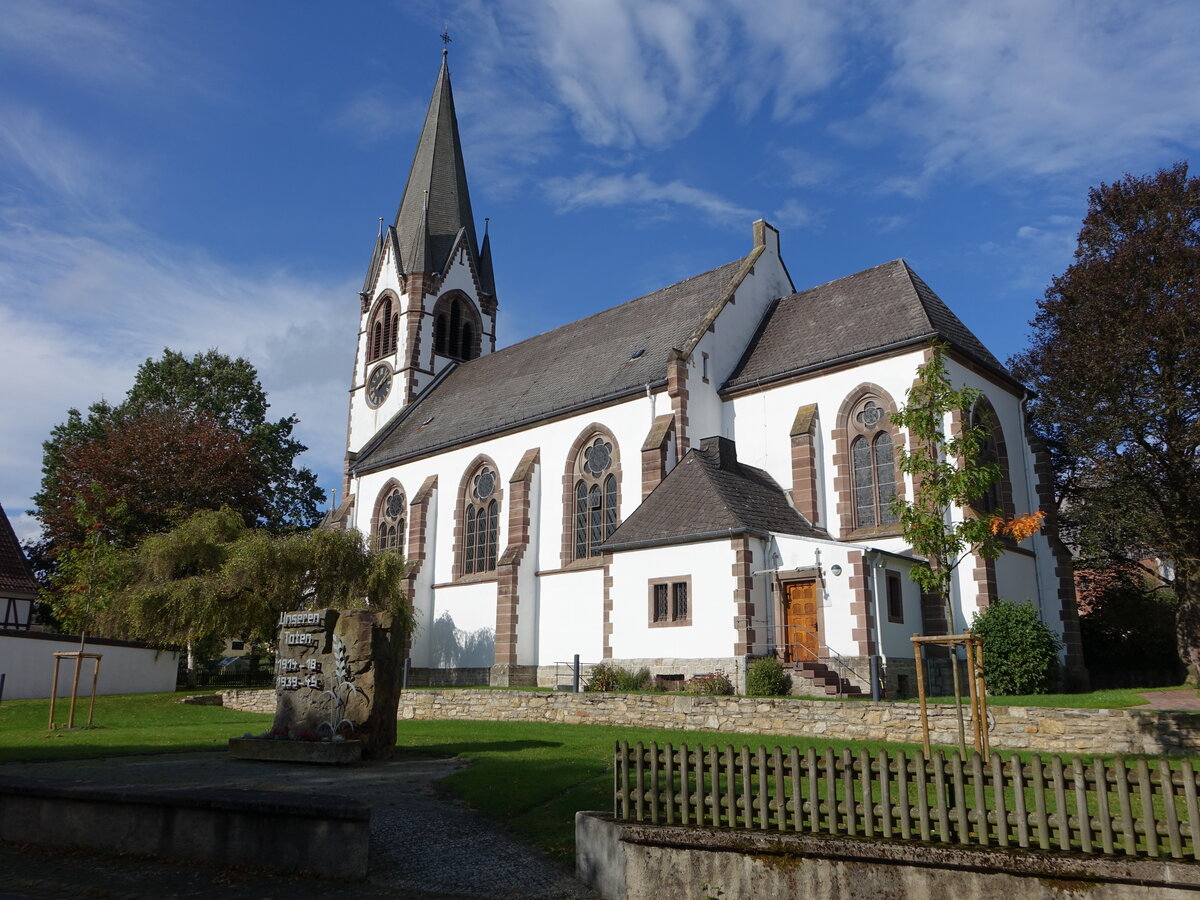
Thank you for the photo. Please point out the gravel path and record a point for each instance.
(423, 844)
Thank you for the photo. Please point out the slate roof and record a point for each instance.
(438, 177)
(572, 367)
(869, 312)
(16, 579)
(708, 495)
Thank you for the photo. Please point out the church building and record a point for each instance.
(711, 485)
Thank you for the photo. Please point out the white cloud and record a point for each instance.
(39, 157)
(645, 73)
(79, 314)
(375, 114)
(104, 44)
(794, 214)
(1038, 87)
(639, 190)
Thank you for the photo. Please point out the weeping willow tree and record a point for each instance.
(212, 577)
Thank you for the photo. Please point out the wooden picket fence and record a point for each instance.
(1115, 807)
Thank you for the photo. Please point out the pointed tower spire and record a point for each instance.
(487, 279)
(436, 204)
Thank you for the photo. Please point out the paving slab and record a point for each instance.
(1184, 699)
(424, 844)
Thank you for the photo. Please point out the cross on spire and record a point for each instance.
(445, 36)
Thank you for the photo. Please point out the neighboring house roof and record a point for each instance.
(16, 578)
(870, 312)
(710, 495)
(569, 368)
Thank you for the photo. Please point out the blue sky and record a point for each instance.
(195, 175)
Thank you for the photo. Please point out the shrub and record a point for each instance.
(607, 677)
(1020, 652)
(603, 678)
(766, 678)
(633, 681)
(714, 683)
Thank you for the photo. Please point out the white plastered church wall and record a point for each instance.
(365, 421)
(708, 566)
(789, 553)
(561, 610)
(720, 349)
(1019, 576)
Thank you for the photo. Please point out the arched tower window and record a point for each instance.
(384, 330)
(481, 521)
(457, 326)
(441, 328)
(388, 525)
(595, 506)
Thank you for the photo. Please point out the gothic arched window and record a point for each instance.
(873, 466)
(441, 327)
(998, 497)
(481, 521)
(389, 528)
(595, 509)
(384, 331)
(457, 326)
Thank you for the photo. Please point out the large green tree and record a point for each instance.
(1115, 361)
(192, 433)
(212, 577)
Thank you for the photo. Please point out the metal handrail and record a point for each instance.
(833, 657)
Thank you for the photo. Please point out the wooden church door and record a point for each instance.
(802, 625)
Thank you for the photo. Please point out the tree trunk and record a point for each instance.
(1187, 623)
(190, 673)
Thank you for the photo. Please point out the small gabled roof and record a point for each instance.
(707, 496)
(436, 203)
(16, 578)
(611, 354)
(870, 312)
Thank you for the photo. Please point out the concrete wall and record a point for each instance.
(322, 835)
(26, 658)
(626, 862)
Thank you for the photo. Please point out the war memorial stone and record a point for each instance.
(337, 688)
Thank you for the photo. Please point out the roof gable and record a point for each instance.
(710, 495)
(16, 578)
(869, 312)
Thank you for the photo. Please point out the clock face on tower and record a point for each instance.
(379, 384)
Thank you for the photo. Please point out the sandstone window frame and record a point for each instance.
(606, 483)
(865, 413)
(477, 520)
(676, 612)
(388, 523)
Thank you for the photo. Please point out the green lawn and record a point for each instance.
(534, 776)
(530, 776)
(137, 723)
(1114, 698)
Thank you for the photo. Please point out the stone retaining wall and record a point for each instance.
(625, 861)
(1010, 727)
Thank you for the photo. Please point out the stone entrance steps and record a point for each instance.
(826, 679)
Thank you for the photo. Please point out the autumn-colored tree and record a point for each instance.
(205, 406)
(160, 466)
(950, 478)
(1115, 361)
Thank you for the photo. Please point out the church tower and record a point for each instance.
(429, 298)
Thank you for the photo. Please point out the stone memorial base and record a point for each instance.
(335, 753)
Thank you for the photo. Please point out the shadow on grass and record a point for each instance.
(456, 748)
